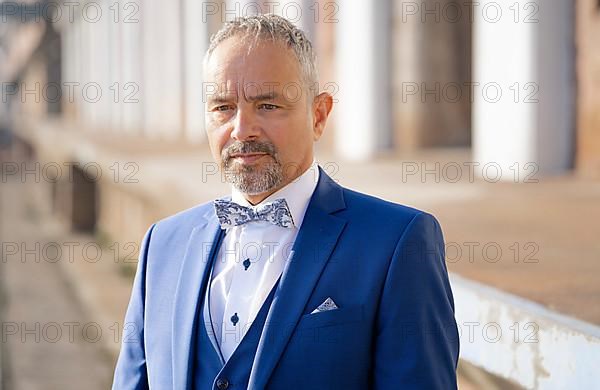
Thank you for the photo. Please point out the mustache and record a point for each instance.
(247, 147)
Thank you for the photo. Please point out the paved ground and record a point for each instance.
(554, 226)
(48, 341)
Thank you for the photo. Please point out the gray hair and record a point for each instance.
(261, 27)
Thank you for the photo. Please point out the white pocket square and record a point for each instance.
(328, 304)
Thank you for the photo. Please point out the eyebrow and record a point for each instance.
(218, 98)
(263, 96)
(224, 98)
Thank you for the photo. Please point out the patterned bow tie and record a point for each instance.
(232, 214)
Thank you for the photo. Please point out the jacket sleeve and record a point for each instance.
(130, 372)
(416, 340)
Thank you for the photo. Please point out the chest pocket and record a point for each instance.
(344, 315)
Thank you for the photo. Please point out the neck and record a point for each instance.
(257, 198)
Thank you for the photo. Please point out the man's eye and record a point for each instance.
(268, 107)
(222, 108)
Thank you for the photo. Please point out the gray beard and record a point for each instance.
(254, 180)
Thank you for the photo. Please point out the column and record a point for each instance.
(523, 106)
(131, 54)
(97, 89)
(432, 56)
(162, 68)
(195, 42)
(362, 114)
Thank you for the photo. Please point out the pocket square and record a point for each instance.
(328, 304)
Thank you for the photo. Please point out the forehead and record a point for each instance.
(235, 64)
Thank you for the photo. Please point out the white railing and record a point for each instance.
(523, 341)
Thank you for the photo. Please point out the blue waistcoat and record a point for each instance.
(209, 368)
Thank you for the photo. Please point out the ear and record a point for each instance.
(322, 106)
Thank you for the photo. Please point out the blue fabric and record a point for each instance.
(382, 263)
(208, 363)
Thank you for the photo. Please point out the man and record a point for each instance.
(293, 281)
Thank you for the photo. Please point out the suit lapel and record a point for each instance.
(314, 244)
(192, 279)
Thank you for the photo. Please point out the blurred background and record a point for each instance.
(486, 114)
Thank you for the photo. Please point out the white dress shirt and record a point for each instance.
(267, 246)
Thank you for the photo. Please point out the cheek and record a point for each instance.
(293, 139)
(217, 138)
(215, 147)
(289, 150)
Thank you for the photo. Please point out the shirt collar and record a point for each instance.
(297, 194)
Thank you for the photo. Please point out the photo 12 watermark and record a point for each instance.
(294, 11)
(469, 11)
(55, 12)
(70, 172)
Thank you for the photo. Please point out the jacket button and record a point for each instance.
(222, 383)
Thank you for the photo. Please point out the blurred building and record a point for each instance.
(102, 101)
(112, 82)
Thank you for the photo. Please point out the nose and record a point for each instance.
(245, 126)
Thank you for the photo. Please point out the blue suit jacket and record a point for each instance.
(382, 263)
